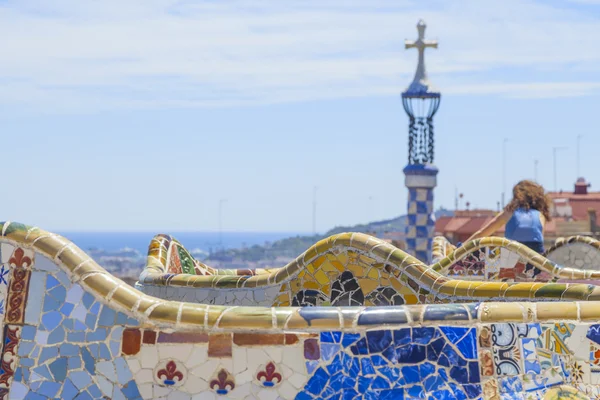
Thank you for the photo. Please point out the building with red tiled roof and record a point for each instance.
(574, 213)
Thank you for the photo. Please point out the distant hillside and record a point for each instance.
(294, 246)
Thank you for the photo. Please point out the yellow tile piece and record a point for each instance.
(356, 270)
(338, 265)
(321, 277)
(327, 267)
(410, 299)
(368, 285)
(343, 258)
(373, 274)
(311, 285)
(319, 261)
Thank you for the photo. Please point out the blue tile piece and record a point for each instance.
(121, 319)
(350, 338)
(43, 371)
(95, 392)
(454, 333)
(329, 350)
(28, 332)
(115, 348)
(593, 333)
(35, 396)
(379, 340)
(84, 396)
(25, 348)
(394, 394)
(68, 349)
(81, 379)
(88, 361)
(98, 335)
(95, 308)
(131, 390)
(69, 391)
(49, 389)
(27, 362)
(123, 372)
(50, 304)
(63, 278)
(74, 363)
(104, 353)
(57, 336)
(59, 293)
(107, 317)
(59, 369)
(66, 309)
(468, 345)
(90, 320)
(51, 320)
(88, 299)
(48, 353)
(75, 337)
(51, 282)
(93, 349)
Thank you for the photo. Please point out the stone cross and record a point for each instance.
(421, 44)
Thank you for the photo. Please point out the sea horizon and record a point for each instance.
(193, 240)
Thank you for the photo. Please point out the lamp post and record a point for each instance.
(578, 155)
(420, 101)
(554, 150)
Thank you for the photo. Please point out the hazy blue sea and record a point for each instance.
(113, 241)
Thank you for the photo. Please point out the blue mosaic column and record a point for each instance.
(420, 179)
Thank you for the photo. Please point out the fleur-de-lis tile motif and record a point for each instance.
(269, 377)
(19, 259)
(170, 375)
(223, 383)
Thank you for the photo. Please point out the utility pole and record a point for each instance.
(504, 169)
(221, 202)
(455, 198)
(554, 150)
(535, 169)
(314, 211)
(578, 155)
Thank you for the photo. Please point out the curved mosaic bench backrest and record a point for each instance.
(350, 269)
(72, 330)
(497, 258)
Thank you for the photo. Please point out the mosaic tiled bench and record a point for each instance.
(72, 330)
(354, 269)
(574, 259)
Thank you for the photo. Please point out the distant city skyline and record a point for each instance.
(143, 116)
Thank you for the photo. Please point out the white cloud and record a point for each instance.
(70, 55)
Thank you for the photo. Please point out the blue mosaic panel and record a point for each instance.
(396, 364)
(70, 345)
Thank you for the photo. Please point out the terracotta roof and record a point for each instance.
(455, 223)
(579, 203)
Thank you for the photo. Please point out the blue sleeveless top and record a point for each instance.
(525, 226)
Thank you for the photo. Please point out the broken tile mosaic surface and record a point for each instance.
(72, 331)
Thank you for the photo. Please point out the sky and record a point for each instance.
(141, 115)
